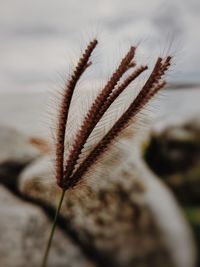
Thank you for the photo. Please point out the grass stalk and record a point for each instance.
(48, 246)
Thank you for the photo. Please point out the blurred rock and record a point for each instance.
(193, 124)
(16, 151)
(42, 145)
(16, 147)
(174, 154)
(174, 149)
(121, 210)
(24, 231)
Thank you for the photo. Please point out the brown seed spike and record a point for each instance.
(151, 87)
(119, 90)
(64, 107)
(92, 116)
(72, 173)
(129, 80)
(166, 64)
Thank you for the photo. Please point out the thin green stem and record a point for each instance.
(48, 246)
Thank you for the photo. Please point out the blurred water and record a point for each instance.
(40, 39)
(31, 112)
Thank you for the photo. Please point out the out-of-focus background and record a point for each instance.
(39, 40)
(39, 43)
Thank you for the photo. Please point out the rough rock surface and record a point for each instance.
(118, 215)
(16, 151)
(119, 212)
(174, 154)
(24, 229)
(16, 147)
(174, 148)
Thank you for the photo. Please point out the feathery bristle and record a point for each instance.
(64, 107)
(151, 87)
(71, 173)
(92, 116)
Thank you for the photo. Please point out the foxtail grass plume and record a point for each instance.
(71, 171)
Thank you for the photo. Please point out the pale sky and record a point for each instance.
(39, 39)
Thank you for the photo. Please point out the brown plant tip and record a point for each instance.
(94, 114)
(71, 172)
(82, 65)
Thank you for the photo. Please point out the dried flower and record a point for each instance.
(71, 172)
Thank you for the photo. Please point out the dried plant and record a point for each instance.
(71, 171)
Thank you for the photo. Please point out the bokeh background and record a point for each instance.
(39, 40)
